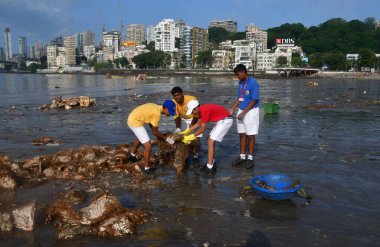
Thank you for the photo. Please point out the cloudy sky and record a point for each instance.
(42, 20)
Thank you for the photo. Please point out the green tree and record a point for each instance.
(33, 67)
(335, 61)
(151, 46)
(281, 61)
(154, 59)
(43, 62)
(367, 58)
(204, 58)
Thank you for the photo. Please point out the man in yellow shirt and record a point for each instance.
(181, 100)
(148, 113)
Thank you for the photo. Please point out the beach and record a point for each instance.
(325, 135)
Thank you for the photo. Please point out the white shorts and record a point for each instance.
(140, 133)
(188, 122)
(250, 123)
(220, 129)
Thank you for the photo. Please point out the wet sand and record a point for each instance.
(325, 136)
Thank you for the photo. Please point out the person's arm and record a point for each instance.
(201, 129)
(178, 124)
(196, 125)
(157, 133)
(249, 107)
(233, 107)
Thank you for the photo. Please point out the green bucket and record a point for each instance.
(270, 108)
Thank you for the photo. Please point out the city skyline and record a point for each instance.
(43, 20)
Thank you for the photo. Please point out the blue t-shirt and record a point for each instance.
(249, 91)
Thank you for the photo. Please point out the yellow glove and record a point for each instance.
(185, 132)
(187, 139)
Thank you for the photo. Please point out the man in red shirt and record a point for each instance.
(208, 113)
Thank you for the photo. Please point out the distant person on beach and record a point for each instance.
(247, 117)
(148, 113)
(208, 113)
(181, 100)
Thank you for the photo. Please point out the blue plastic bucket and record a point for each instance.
(275, 186)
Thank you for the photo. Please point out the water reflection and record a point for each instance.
(278, 210)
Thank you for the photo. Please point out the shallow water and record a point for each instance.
(334, 152)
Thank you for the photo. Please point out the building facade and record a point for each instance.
(2, 54)
(165, 36)
(258, 36)
(52, 53)
(200, 43)
(111, 44)
(245, 53)
(8, 44)
(69, 50)
(136, 33)
(229, 25)
(22, 47)
(222, 59)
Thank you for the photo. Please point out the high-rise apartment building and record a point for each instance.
(229, 25)
(111, 44)
(8, 44)
(245, 53)
(199, 38)
(183, 32)
(136, 33)
(51, 54)
(87, 38)
(2, 54)
(70, 50)
(258, 36)
(165, 36)
(22, 47)
(150, 35)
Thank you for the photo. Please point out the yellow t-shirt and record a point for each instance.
(181, 109)
(148, 113)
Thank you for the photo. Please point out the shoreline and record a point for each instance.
(213, 73)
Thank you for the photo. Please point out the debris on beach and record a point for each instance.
(68, 103)
(104, 216)
(45, 140)
(312, 84)
(321, 106)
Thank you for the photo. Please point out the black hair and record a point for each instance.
(240, 68)
(176, 90)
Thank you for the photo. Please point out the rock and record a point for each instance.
(24, 216)
(6, 224)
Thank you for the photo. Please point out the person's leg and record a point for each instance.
(251, 144)
(243, 143)
(211, 151)
(147, 150)
(136, 145)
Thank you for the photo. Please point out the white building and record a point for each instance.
(266, 60)
(111, 44)
(89, 51)
(245, 53)
(52, 53)
(165, 36)
(61, 57)
(150, 35)
(8, 44)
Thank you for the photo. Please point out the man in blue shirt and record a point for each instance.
(247, 117)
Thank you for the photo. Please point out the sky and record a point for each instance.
(43, 20)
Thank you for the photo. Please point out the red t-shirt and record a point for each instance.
(212, 113)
